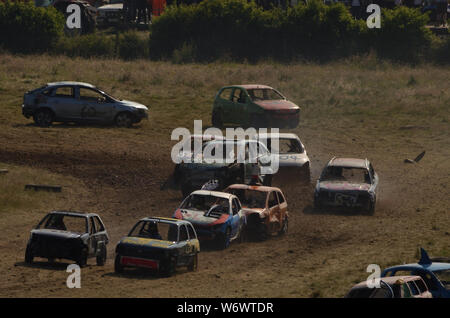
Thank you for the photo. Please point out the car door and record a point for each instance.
(225, 103)
(95, 106)
(92, 244)
(185, 246)
(236, 220)
(282, 207)
(274, 212)
(63, 102)
(238, 107)
(101, 236)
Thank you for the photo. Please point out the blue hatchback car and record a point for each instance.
(435, 274)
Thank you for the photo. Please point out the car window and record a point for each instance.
(413, 288)
(191, 232)
(87, 94)
(421, 286)
(63, 222)
(183, 233)
(272, 199)
(382, 292)
(406, 291)
(64, 91)
(238, 96)
(93, 227)
(280, 197)
(98, 225)
(226, 93)
(234, 207)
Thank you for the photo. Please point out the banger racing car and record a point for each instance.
(436, 274)
(265, 209)
(347, 183)
(79, 102)
(159, 244)
(293, 160)
(69, 235)
(215, 216)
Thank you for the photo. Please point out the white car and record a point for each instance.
(110, 14)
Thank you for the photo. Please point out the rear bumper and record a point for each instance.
(128, 261)
(282, 120)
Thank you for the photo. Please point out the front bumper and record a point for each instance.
(343, 199)
(284, 119)
(27, 111)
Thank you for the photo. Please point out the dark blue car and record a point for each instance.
(435, 274)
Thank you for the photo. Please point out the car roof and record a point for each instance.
(213, 193)
(70, 83)
(279, 135)
(391, 280)
(435, 266)
(157, 218)
(349, 162)
(254, 187)
(74, 213)
(249, 86)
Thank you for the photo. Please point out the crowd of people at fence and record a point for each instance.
(142, 10)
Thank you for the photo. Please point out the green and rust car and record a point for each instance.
(160, 244)
(253, 106)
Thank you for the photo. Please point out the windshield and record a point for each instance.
(70, 223)
(250, 198)
(356, 175)
(264, 94)
(444, 277)
(230, 151)
(286, 146)
(205, 203)
(155, 230)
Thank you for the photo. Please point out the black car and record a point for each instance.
(70, 235)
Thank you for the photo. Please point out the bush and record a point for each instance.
(132, 46)
(25, 28)
(403, 35)
(91, 45)
(441, 50)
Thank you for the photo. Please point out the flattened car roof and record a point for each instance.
(70, 83)
(391, 280)
(349, 162)
(250, 86)
(213, 193)
(158, 218)
(74, 213)
(279, 135)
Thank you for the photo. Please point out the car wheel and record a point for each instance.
(371, 208)
(43, 118)
(317, 204)
(224, 239)
(216, 119)
(29, 255)
(193, 266)
(82, 260)
(261, 231)
(118, 268)
(284, 228)
(101, 258)
(124, 120)
(169, 269)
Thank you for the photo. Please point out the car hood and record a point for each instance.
(140, 241)
(248, 210)
(56, 233)
(343, 185)
(132, 104)
(292, 159)
(111, 7)
(276, 104)
(199, 218)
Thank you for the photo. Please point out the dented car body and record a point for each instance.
(216, 216)
(68, 235)
(159, 244)
(265, 209)
(293, 161)
(347, 183)
(254, 106)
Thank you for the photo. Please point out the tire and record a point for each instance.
(43, 118)
(123, 119)
(82, 260)
(169, 270)
(224, 239)
(29, 255)
(101, 258)
(317, 204)
(284, 228)
(118, 268)
(216, 119)
(193, 266)
(371, 208)
(261, 231)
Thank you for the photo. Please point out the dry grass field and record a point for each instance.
(360, 108)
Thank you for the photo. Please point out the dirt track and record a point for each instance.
(323, 254)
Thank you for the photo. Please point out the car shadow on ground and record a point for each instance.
(77, 125)
(59, 266)
(141, 273)
(311, 210)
